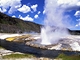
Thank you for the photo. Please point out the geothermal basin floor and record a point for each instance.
(71, 42)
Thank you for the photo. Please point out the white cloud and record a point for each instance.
(69, 4)
(39, 12)
(78, 24)
(78, 20)
(34, 7)
(26, 18)
(11, 5)
(36, 16)
(24, 9)
(77, 14)
(44, 12)
(13, 16)
(3, 10)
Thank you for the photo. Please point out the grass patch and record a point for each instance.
(65, 57)
(1, 47)
(18, 56)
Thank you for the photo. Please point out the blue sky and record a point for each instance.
(33, 10)
(28, 10)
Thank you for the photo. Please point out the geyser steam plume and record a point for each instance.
(54, 27)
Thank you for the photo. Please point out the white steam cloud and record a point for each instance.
(54, 21)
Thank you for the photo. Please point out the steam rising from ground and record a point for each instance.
(54, 27)
(51, 35)
(54, 21)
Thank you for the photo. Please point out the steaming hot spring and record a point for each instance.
(50, 38)
(69, 42)
(58, 41)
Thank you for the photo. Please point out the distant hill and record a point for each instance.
(74, 32)
(15, 25)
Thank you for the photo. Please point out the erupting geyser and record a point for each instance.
(54, 27)
(54, 31)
